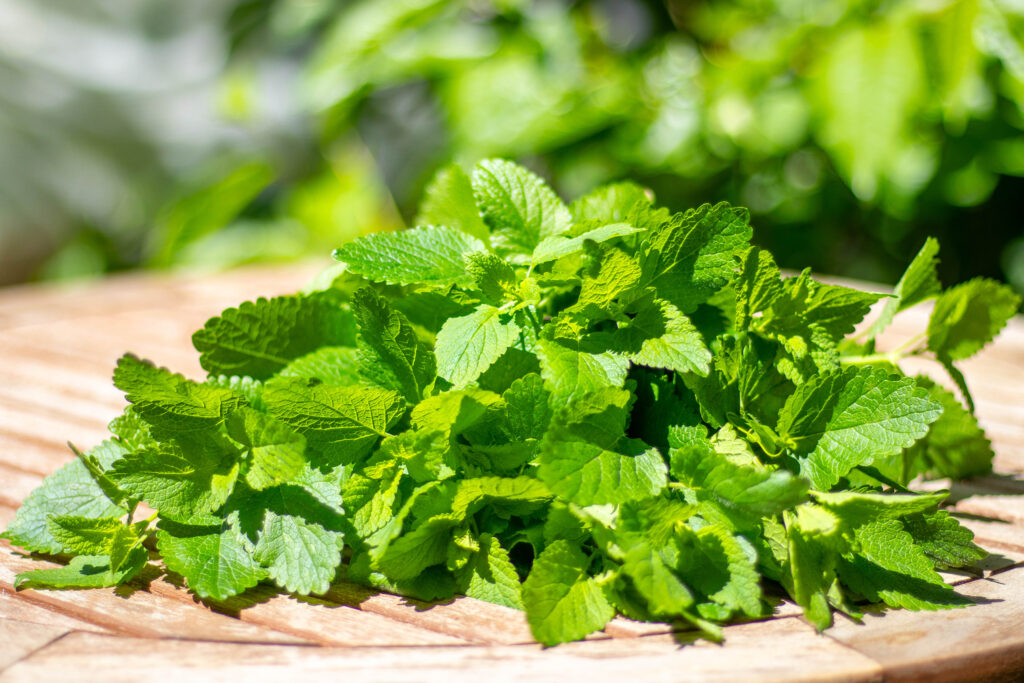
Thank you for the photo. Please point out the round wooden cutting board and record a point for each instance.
(58, 345)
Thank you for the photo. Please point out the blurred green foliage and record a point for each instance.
(851, 128)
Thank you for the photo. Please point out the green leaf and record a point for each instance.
(453, 412)
(841, 420)
(89, 536)
(468, 345)
(855, 508)
(757, 286)
(338, 365)
(373, 500)
(943, 539)
(490, 575)
(805, 305)
(132, 431)
(611, 273)
(653, 576)
(259, 338)
(968, 316)
(659, 336)
(811, 573)
(919, 283)
(169, 401)
(299, 556)
(749, 488)
(955, 445)
(70, 491)
(84, 571)
(349, 418)
(300, 538)
(429, 255)
(527, 408)
(693, 255)
(506, 496)
(492, 275)
(645, 537)
(179, 479)
(563, 602)
(714, 562)
(612, 203)
(888, 567)
(213, 559)
(391, 355)
(424, 546)
(587, 474)
(519, 207)
(599, 418)
(558, 246)
(448, 200)
(431, 309)
(276, 454)
(570, 372)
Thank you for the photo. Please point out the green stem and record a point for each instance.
(871, 358)
(894, 356)
(532, 315)
(909, 343)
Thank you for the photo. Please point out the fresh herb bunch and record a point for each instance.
(574, 410)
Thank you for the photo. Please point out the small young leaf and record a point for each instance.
(919, 283)
(448, 200)
(519, 207)
(391, 355)
(492, 275)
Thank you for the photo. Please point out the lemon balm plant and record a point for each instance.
(574, 410)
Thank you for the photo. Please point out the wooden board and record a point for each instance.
(58, 345)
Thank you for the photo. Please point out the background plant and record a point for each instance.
(852, 129)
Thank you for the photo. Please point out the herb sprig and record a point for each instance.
(576, 411)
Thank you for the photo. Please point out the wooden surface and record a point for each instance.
(57, 348)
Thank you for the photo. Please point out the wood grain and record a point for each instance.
(782, 650)
(982, 642)
(13, 608)
(58, 345)
(18, 639)
(132, 611)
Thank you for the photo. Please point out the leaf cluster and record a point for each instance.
(575, 410)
